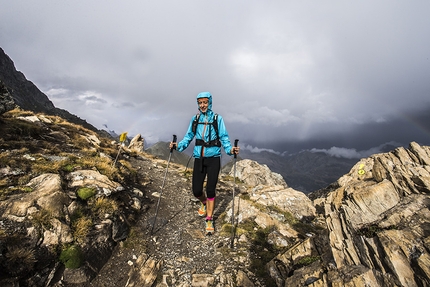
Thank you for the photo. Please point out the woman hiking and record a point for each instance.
(209, 130)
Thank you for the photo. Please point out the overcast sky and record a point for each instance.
(285, 75)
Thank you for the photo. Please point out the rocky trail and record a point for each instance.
(369, 228)
(176, 249)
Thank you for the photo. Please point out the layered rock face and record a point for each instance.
(269, 202)
(378, 227)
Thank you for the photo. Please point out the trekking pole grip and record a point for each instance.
(174, 141)
(235, 145)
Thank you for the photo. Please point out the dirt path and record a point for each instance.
(178, 238)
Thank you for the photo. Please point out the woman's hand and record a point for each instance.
(235, 150)
(173, 145)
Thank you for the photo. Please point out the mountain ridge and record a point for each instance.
(28, 97)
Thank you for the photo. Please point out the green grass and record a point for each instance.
(85, 193)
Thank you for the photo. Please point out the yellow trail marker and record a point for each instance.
(123, 137)
(361, 170)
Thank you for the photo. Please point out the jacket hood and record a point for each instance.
(205, 95)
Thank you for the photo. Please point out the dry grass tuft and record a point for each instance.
(20, 260)
(42, 219)
(17, 113)
(81, 228)
(43, 165)
(104, 205)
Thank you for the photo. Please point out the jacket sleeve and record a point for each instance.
(185, 142)
(223, 136)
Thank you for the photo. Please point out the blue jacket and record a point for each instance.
(208, 117)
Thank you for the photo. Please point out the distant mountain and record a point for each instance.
(28, 97)
(308, 171)
(111, 132)
(305, 171)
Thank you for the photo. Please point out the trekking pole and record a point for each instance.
(122, 139)
(162, 186)
(232, 205)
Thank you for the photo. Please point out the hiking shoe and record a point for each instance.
(202, 210)
(210, 226)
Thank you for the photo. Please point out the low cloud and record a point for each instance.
(258, 150)
(92, 98)
(59, 93)
(351, 153)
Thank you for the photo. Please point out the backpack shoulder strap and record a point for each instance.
(215, 124)
(195, 123)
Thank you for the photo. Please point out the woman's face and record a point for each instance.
(203, 104)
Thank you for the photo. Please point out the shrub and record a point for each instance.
(371, 230)
(78, 213)
(72, 257)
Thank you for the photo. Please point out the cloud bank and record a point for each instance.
(285, 75)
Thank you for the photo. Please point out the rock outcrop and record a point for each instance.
(254, 174)
(137, 143)
(378, 233)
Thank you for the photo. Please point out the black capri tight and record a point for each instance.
(209, 166)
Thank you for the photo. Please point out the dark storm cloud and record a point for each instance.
(285, 76)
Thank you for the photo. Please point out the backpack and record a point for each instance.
(216, 141)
